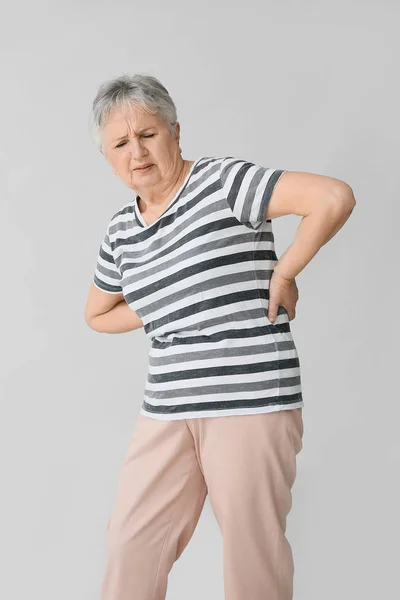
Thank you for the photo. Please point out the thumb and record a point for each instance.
(272, 311)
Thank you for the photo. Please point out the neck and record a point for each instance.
(154, 199)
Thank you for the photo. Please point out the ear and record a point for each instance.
(178, 130)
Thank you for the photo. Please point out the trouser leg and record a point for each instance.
(249, 465)
(160, 496)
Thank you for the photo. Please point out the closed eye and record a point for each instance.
(146, 136)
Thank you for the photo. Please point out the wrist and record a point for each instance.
(279, 273)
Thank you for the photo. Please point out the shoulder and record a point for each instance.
(242, 172)
(215, 165)
(232, 171)
(122, 218)
(231, 165)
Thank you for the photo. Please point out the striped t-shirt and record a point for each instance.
(198, 277)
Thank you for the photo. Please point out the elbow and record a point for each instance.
(348, 198)
(343, 198)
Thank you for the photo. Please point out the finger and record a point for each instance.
(272, 312)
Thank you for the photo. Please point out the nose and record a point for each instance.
(137, 151)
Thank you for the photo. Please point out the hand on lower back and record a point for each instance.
(282, 292)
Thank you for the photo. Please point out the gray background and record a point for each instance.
(308, 86)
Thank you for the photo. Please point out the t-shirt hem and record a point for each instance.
(104, 289)
(220, 413)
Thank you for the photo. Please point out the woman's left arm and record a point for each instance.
(324, 203)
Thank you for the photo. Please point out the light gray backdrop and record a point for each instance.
(309, 86)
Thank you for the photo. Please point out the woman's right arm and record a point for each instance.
(109, 313)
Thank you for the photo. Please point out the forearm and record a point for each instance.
(120, 319)
(314, 230)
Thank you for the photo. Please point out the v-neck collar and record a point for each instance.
(137, 212)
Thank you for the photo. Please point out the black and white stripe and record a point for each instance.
(198, 278)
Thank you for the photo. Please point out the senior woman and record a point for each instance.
(191, 259)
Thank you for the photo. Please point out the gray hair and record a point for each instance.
(127, 90)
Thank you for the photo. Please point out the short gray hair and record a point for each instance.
(127, 90)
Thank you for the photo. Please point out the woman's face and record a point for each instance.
(132, 138)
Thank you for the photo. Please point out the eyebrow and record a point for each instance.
(140, 131)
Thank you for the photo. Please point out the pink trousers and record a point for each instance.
(246, 464)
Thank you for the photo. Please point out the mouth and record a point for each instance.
(144, 169)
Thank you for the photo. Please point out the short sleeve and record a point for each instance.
(248, 189)
(106, 275)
